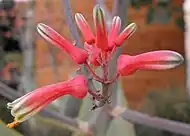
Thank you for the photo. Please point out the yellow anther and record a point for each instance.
(13, 124)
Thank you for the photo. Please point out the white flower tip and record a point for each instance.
(9, 105)
(98, 11)
(178, 58)
(77, 16)
(132, 26)
(117, 20)
(41, 27)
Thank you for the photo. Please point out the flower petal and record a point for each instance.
(85, 28)
(78, 55)
(100, 26)
(115, 29)
(125, 34)
(156, 60)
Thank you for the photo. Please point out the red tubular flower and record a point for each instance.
(94, 54)
(156, 60)
(115, 29)
(125, 34)
(85, 28)
(28, 105)
(78, 55)
(100, 26)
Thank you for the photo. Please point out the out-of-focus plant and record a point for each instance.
(161, 11)
(174, 105)
(10, 50)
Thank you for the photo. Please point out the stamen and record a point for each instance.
(13, 124)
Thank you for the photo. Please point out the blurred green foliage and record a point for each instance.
(4, 112)
(4, 131)
(160, 11)
(138, 3)
(170, 104)
(150, 15)
(180, 22)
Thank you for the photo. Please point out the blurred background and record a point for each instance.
(27, 61)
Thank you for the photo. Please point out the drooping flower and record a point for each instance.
(29, 104)
(155, 60)
(85, 28)
(78, 55)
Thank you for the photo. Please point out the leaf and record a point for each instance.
(54, 127)
(6, 131)
(150, 15)
(119, 126)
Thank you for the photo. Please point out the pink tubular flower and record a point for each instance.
(125, 34)
(155, 60)
(94, 54)
(100, 27)
(78, 55)
(28, 105)
(85, 28)
(115, 29)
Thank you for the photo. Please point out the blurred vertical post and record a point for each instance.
(186, 9)
(27, 43)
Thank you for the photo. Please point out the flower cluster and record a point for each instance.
(98, 49)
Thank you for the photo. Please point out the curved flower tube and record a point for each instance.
(155, 60)
(26, 106)
(78, 55)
